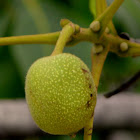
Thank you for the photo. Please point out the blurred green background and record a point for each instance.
(24, 17)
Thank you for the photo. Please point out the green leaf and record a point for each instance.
(129, 17)
(25, 55)
(92, 6)
(10, 83)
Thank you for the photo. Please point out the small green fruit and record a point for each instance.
(60, 93)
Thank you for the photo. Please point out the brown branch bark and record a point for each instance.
(119, 112)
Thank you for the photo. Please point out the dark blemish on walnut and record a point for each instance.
(92, 115)
(90, 128)
(73, 135)
(87, 78)
(30, 92)
(85, 71)
(89, 85)
(90, 134)
(98, 54)
(88, 104)
(96, 87)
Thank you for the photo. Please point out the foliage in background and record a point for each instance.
(21, 18)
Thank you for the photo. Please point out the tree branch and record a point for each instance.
(101, 5)
(124, 86)
(49, 38)
(98, 59)
(119, 112)
(85, 34)
(133, 47)
(107, 16)
(98, 56)
(67, 31)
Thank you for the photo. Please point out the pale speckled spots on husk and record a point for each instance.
(58, 93)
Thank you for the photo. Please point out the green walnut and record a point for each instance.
(60, 94)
